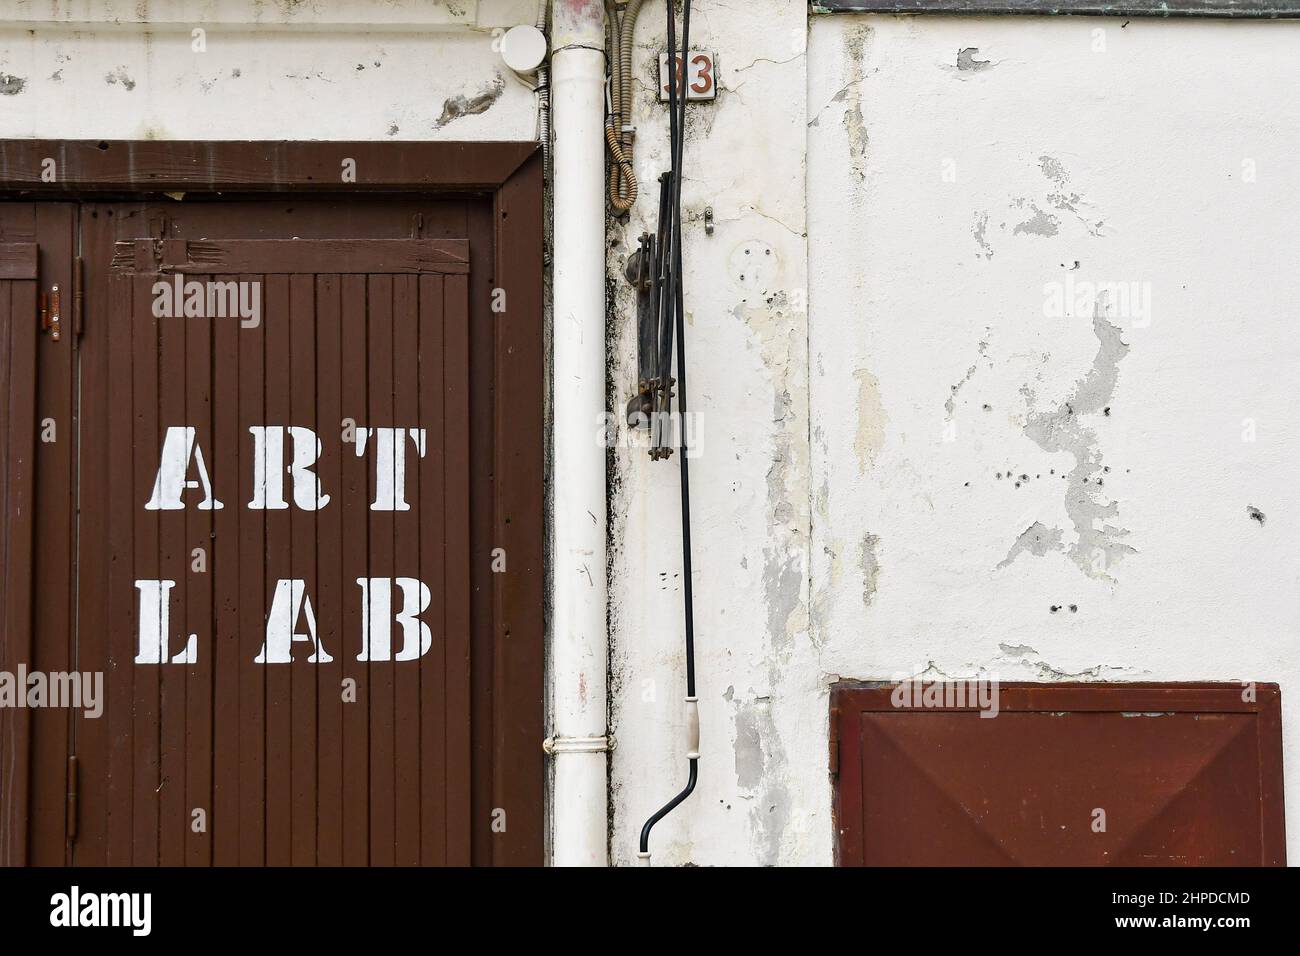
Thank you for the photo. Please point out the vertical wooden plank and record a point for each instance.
(109, 326)
(303, 671)
(382, 768)
(230, 448)
(518, 467)
(481, 226)
(331, 588)
(456, 451)
(53, 619)
(406, 563)
(279, 703)
(433, 666)
(198, 605)
(174, 564)
(147, 679)
(198, 589)
(17, 301)
(10, 749)
(355, 550)
(95, 653)
(253, 575)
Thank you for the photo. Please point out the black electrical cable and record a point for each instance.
(677, 134)
(664, 317)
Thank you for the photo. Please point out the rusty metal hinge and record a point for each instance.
(52, 312)
(73, 788)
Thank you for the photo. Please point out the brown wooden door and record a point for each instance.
(284, 468)
(248, 513)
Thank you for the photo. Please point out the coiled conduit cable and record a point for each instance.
(543, 93)
(618, 126)
(677, 131)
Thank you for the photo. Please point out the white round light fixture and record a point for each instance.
(523, 48)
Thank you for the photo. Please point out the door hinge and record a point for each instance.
(51, 312)
(73, 788)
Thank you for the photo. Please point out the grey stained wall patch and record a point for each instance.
(966, 61)
(1037, 539)
(870, 567)
(980, 232)
(761, 772)
(457, 106)
(114, 77)
(11, 85)
(1100, 543)
(1039, 223)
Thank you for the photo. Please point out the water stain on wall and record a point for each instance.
(871, 420)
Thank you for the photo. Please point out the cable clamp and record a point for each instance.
(578, 745)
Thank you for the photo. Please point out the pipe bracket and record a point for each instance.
(578, 745)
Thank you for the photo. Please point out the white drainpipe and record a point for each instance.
(579, 658)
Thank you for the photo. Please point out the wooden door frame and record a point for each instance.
(509, 174)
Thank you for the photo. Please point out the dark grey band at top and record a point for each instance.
(1226, 9)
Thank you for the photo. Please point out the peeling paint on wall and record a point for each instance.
(760, 775)
(967, 63)
(1037, 539)
(856, 44)
(1039, 223)
(1099, 545)
(980, 232)
(870, 567)
(460, 105)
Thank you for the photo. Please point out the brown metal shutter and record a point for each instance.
(18, 333)
(1065, 774)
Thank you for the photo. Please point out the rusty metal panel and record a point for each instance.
(1231, 9)
(1068, 774)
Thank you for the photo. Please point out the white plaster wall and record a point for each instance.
(746, 340)
(876, 525)
(935, 368)
(291, 69)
